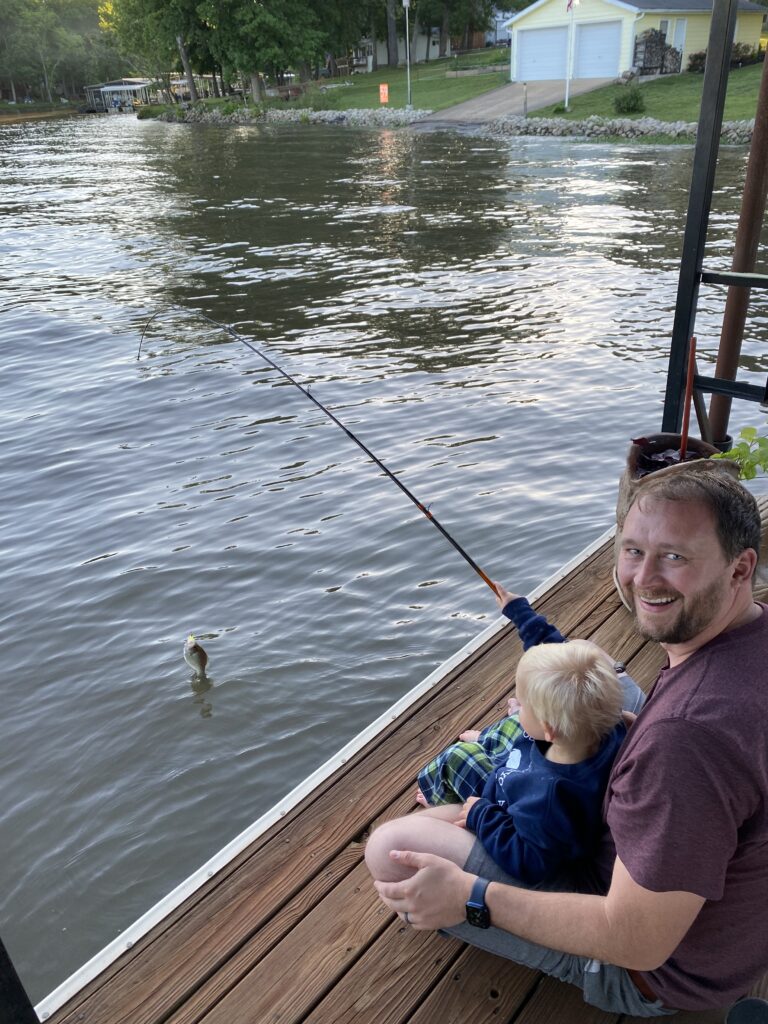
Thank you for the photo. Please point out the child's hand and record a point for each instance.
(503, 597)
(461, 821)
(629, 718)
(470, 736)
(513, 706)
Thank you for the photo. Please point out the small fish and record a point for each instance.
(195, 656)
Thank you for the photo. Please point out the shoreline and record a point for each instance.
(38, 115)
(591, 128)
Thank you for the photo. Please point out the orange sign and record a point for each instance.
(383, 92)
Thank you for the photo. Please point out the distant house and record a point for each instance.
(605, 31)
(497, 34)
(425, 47)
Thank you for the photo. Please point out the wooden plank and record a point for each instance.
(557, 1001)
(618, 636)
(645, 666)
(389, 981)
(289, 981)
(240, 962)
(481, 989)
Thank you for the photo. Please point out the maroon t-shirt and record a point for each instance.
(687, 809)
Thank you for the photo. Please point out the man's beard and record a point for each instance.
(696, 613)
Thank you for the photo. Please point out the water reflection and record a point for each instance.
(200, 687)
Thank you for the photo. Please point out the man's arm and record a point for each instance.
(630, 927)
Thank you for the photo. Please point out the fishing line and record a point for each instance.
(353, 437)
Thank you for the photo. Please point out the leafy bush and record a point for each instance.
(751, 453)
(629, 101)
(696, 61)
(149, 110)
(741, 53)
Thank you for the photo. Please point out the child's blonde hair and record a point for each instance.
(572, 688)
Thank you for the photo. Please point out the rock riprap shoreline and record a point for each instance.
(593, 127)
(381, 117)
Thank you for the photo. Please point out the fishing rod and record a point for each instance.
(353, 437)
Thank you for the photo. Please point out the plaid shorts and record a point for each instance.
(461, 770)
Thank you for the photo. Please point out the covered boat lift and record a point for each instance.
(124, 93)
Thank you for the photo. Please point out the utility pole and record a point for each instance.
(406, 5)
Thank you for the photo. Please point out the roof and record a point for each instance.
(661, 6)
(690, 5)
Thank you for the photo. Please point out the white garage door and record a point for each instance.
(597, 50)
(541, 53)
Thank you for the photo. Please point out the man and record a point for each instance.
(672, 916)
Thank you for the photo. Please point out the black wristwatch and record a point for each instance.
(478, 913)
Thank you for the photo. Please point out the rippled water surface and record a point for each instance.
(490, 317)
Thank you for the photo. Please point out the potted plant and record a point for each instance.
(750, 453)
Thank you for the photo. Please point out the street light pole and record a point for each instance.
(406, 5)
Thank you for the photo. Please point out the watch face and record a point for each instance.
(478, 915)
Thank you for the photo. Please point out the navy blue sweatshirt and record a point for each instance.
(535, 815)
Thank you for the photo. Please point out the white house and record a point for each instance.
(602, 33)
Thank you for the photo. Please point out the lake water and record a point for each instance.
(490, 317)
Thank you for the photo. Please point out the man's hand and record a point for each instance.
(461, 821)
(434, 897)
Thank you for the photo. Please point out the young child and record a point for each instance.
(539, 805)
(461, 770)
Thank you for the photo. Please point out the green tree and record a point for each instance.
(263, 38)
(16, 59)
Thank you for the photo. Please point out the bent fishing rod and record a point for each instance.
(353, 437)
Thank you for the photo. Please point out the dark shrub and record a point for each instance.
(629, 101)
(741, 53)
(696, 61)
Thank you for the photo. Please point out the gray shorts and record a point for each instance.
(604, 985)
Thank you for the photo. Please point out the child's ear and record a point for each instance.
(549, 733)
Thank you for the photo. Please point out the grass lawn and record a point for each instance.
(430, 89)
(671, 98)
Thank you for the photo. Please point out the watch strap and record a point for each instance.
(477, 893)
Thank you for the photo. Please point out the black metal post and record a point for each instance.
(15, 1007)
(699, 202)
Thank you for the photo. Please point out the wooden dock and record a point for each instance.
(291, 931)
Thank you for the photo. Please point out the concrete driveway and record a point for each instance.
(509, 99)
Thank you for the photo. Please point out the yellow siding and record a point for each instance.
(553, 14)
(748, 28)
(696, 30)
